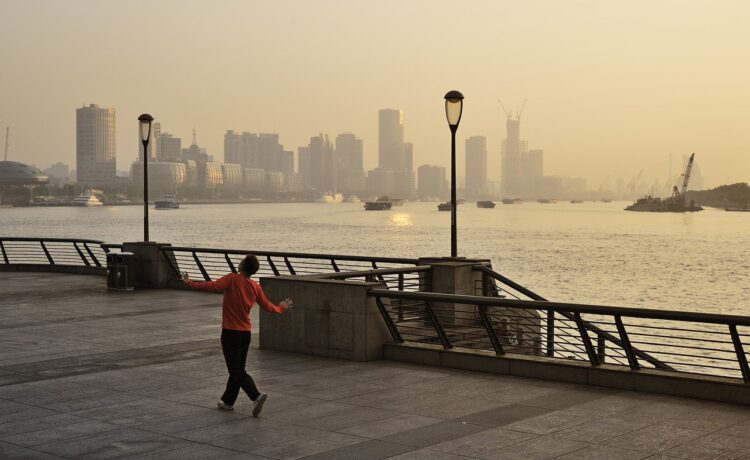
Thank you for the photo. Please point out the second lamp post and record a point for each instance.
(145, 124)
(454, 102)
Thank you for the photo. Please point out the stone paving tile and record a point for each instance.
(568, 398)
(604, 453)
(600, 430)
(339, 421)
(389, 426)
(172, 424)
(12, 451)
(482, 442)
(543, 447)
(432, 434)
(427, 454)
(90, 402)
(109, 444)
(138, 411)
(189, 451)
(659, 410)
(547, 423)
(504, 415)
(711, 417)
(62, 432)
(654, 438)
(712, 446)
(369, 450)
(25, 414)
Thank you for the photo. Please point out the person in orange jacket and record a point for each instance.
(240, 294)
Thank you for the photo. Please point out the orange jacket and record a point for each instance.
(240, 294)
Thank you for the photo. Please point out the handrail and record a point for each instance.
(380, 271)
(621, 341)
(78, 255)
(398, 260)
(51, 240)
(700, 347)
(634, 312)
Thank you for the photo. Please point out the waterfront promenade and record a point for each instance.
(93, 374)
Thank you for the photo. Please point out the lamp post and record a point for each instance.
(454, 102)
(145, 124)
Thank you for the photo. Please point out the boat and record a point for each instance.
(167, 202)
(485, 204)
(86, 199)
(331, 198)
(675, 203)
(378, 205)
(605, 200)
(444, 206)
(576, 201)
(747, 209)
(546, 200)
(352, 199)
(512, 201)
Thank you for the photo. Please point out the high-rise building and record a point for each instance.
(349, 163)
(532, 171)
(317, 166)
(393, 154)
(258, 151)
(431, 182)
(170, 148)
(476, 166)
(96, 149)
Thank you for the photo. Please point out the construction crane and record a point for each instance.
(7, 134)
(508, 113)
(680, 193)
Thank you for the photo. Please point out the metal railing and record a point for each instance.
(210, 264)
(697, 343)
(56, 252)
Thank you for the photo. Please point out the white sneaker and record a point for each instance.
(222, 405)
(258, 404)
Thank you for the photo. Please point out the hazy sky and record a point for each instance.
(612, 87)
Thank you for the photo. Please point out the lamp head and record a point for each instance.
(145, 124)
(454, 102)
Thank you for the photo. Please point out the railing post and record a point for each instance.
(632, 359)
(335, 267)
(550, 333)
(229, 262)
(400, 301)
(171, 263)
(91, 254)
(5, 255)
(593, 358)
(80, 254)
(200, 267)
(46, 253)
(601, 348)
(436, 324)
(389, 321)
(273, 266)
(739, 349)
(289, 266)
(490, 330)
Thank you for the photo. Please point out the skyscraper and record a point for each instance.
(317, 158)
(395, 173)
(96, 150)
(431, 182)
(476, 166)
(170, 148)
(154, 142)
(349, 163)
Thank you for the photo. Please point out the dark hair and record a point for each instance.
(249, 265)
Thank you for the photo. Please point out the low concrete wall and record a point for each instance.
(330, 318)
(71, 269)
(645, 380)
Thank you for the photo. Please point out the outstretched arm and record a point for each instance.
(209, 286)
(267, 305)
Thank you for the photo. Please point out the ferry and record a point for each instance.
(331, 198)
(547, 200)
(352, 199)
(576, 201)
(512, 201)
(378, 205)
(485, 204)
(86, 199)
(167, 202)
(444, 206)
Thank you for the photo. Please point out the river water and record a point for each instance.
(588, 253)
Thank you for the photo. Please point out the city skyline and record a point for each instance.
(612, 89)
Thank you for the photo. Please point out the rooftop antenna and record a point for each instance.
(7, 134)
(194, 141)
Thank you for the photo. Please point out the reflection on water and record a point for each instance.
(400, 219)
(591, 252)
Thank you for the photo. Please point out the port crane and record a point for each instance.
(680, 193)
(508, 113)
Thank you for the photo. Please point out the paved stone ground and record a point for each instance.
(91, 374)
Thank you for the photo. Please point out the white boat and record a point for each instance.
(87, 199)
(352, 199)
(331, 198)
(167, 202)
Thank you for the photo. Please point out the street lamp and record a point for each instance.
(454, 104)
(145, 124)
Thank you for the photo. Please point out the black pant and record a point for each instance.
(235, 344)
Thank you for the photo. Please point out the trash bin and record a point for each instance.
(120, 271)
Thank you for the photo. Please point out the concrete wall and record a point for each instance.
(330, 318)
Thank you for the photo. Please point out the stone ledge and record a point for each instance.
(645, 380)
